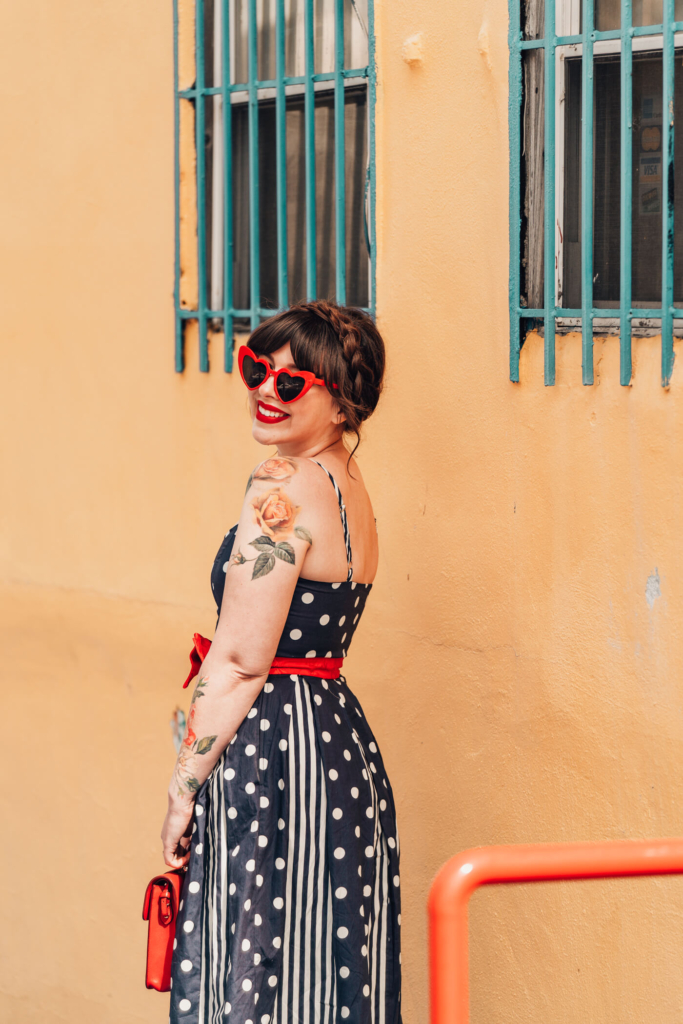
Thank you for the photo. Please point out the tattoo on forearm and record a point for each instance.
(185, 765)
(192, 784)
(198, 692)
(184, 772)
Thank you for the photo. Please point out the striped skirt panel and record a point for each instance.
(290, 909)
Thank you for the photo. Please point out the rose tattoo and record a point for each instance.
(276, 514)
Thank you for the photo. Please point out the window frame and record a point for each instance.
(562, 39)
(197, 307)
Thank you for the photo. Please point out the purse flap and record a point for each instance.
(171, 882)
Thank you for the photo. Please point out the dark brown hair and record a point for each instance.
(338, 343)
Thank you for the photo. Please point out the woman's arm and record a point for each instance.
(272, 540)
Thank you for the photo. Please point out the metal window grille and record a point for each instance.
(593, 33)
(271, 96)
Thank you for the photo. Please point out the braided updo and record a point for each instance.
(338, 343)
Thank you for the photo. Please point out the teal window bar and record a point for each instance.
(594, 85)
(274, 162)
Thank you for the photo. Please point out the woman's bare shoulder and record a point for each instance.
(286, 470)
(288, 495)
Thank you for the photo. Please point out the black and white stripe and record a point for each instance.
(291, 894)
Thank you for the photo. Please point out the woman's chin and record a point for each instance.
(268, 433)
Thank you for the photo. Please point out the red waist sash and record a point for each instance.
(322, 668)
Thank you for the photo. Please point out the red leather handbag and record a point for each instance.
(161, 910)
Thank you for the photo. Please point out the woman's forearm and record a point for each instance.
(220, 702)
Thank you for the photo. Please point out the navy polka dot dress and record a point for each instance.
(290, 909)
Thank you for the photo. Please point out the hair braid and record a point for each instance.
(352, 348)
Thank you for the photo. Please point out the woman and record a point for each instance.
(279, 804)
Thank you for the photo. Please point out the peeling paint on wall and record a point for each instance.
(652, 588)
(412, 50)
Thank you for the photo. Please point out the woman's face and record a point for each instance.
(313, 421)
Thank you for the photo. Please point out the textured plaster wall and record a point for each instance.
(520, 659)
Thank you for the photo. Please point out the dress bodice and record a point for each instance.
(322, 617)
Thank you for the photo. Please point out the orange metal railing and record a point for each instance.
(461, 875)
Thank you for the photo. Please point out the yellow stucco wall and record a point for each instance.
(519, 669)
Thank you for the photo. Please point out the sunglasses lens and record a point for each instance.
(254, 372)
(289, 386)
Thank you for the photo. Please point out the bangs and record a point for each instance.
(314, 344)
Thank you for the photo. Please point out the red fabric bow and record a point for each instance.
(201, 648)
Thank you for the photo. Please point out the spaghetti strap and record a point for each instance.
(345, 525)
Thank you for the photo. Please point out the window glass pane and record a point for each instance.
(606, 181)
(239, 41)
(357, 255)
(532, 179)
(646, 203)
(356, 164)
(212, 71)
(678, 185)
(265, 22)
(570, 295)
(608, 14)
(187, 240)
(296, 199)
(645, 12)
(355, 34)
(356, 156)
(647, 181)
(240, 206)
(356, 54)
(294, 37)
(267, 206)
(324, 35)
(215, 209)
(606, 185)
(324, 189)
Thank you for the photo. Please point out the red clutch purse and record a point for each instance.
(161, 910)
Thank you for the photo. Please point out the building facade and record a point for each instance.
(520, 659)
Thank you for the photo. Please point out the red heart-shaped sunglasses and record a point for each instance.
(289, 384)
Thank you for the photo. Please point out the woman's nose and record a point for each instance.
(267, 389)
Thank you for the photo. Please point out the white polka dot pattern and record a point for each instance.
(293, 779)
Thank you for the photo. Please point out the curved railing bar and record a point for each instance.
(486, 865)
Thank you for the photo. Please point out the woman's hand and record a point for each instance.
(176, 832)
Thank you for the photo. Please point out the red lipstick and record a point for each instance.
(271, 410)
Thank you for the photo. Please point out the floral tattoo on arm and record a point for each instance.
(184, 773)
(276, 515)
(279, 469)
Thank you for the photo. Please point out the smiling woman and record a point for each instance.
(279, 805)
